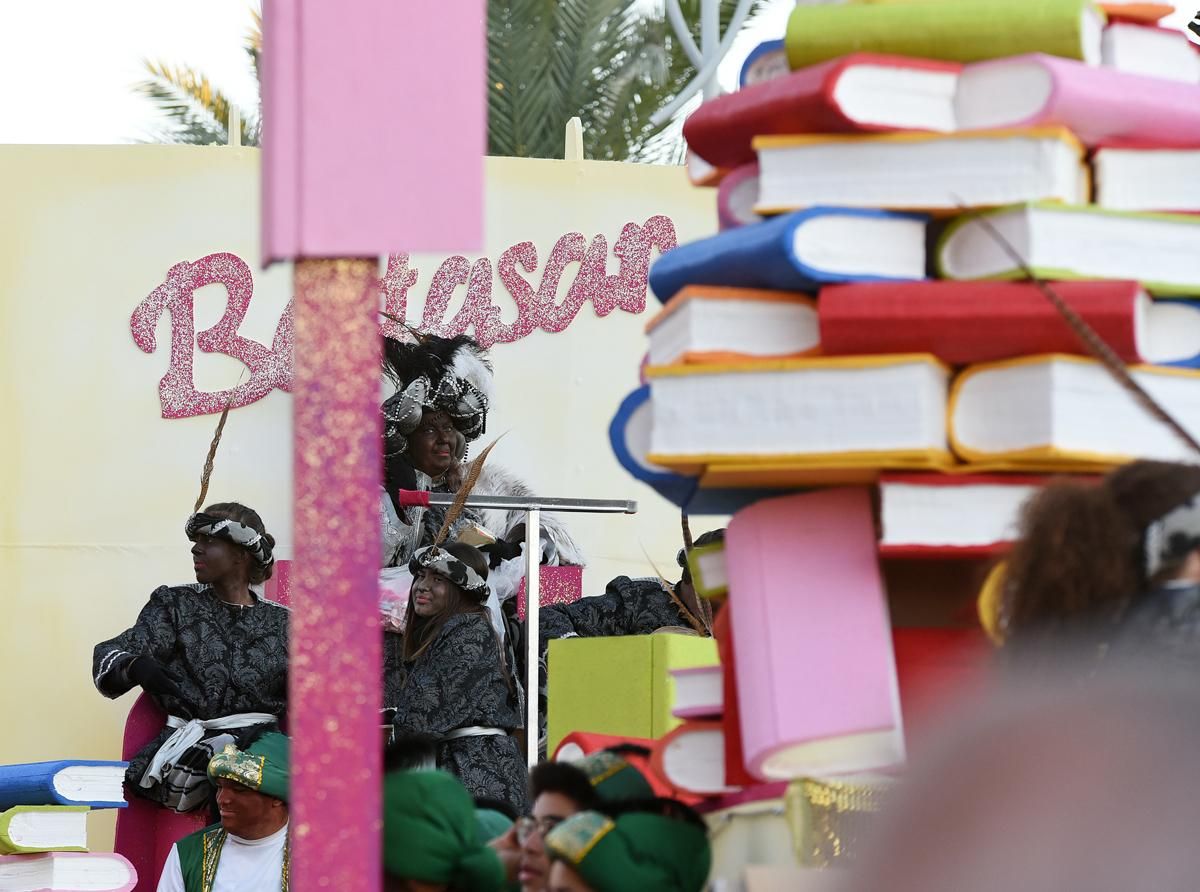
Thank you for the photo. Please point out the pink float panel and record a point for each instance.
(374, 127)
(334, 695)
(556, 585)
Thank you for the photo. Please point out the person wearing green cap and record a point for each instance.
(661, 850)
(431, 837)
(248, 850)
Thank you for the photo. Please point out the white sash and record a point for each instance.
(188, 732)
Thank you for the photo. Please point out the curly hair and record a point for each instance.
(1078, 560)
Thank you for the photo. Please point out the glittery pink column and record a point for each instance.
(336, 660)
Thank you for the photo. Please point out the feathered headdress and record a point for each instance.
(450, 375)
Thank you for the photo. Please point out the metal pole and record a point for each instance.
(533, 563)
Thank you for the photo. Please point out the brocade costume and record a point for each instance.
(456, 686)
(229, 660)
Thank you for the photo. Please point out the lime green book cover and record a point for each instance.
(620, 685)
(952, 30)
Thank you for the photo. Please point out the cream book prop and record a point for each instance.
(886, 411)
(942, 516)
(43, 828)
(1147, 179)
(1156, 52)
(920, 171)
(66, 872)
(707, 323)
(1069, 409)
(1162, 251)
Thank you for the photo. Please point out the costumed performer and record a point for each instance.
(661, 845)
(1109, 563)
(213, 655)
(431, 840)
(457, 684)
(248, 851)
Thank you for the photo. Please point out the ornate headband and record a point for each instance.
(441, 561)
(252, 540)
(1169, 539)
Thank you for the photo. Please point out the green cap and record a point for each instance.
(613, 778)
(491, 823)
(430, 833)
(638, 850)
(262, 766)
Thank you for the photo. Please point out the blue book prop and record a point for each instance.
(629, 435)
(766, 61)
(800, 251)
(66, 782)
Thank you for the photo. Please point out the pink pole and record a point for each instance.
(336, 659)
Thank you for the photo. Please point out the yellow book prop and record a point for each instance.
(1061, 408)
(878, 411)
(714, 324)
(620, 685)
(920, 171)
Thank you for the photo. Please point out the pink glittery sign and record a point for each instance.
(270, 367)
(335, 680)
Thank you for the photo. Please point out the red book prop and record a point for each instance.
(692, 758)
(735, 759)
(982, 321)
(862, 92)
(944, 516)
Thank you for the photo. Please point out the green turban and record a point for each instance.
(262, 766)
(491, 823)
(430, 833)
(639, 850)
(613, 778)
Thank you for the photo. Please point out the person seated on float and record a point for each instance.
(657, 844)
(456, 682)
(1108, 565)
(431, 838)
(248, 851)
(213, 655)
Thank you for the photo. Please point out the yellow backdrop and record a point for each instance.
(95, 485)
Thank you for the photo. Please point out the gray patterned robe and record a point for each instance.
(457, 683)
(230, 660)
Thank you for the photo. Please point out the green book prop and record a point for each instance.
(26, 829)
(620, 685)
(953, 30)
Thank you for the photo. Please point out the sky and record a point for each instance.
(68, 67)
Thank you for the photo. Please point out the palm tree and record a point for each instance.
(611, 62)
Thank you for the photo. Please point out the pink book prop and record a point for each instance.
(69, 872)
(1098, 105)
(698, 692)
(736, 197)
(816, 676)
(343, 175)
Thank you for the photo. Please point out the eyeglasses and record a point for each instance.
(527, 825)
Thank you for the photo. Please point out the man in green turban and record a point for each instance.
(431, 837)
(591, 852)
(248, 850)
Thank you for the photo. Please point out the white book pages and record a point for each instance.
(1074, 406)
(887, 96)
(953, 516)
(816, 407)
(90, 783)
(49, 829)
(748, 327)
(937, 172)
(695, 761)
(1098, 245)
(856, 245)
(1148, 179)
(1155, 52)
(698, 691)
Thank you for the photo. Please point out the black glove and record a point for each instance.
(500, 550)
(153, 677)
